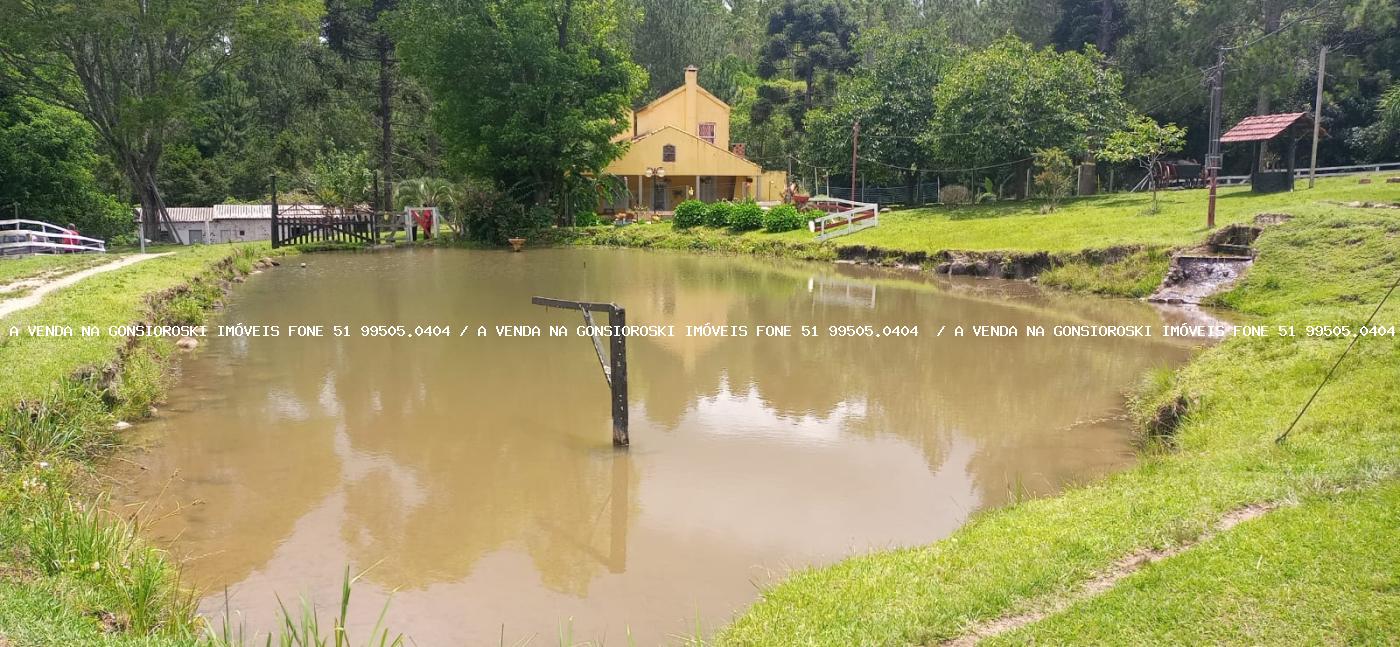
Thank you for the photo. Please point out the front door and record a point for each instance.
(658, 195)
(196, 236)
(707, 189)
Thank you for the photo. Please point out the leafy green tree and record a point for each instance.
(129, 68)
(528, 93)
(891, 95)
(1001, 104)
(771, 138)
(808, 40)
(1145, 141)
(341, 180)
(358, 31)
(46, 160)
(1270, 65)
(1088, 22)
(674, 34)
(188, 178)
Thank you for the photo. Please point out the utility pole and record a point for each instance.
(855, 148)
(1213, 159)
(1317, 113)
(272, 180)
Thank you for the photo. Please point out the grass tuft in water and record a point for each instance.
(304, 628)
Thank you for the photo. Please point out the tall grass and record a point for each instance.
(304, 628)
(68, 422)
(143, 379)
(138, 585)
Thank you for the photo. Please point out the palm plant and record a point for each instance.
(430, 192)
(425, 192)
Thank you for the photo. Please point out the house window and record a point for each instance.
(668, 153)
(707, 132)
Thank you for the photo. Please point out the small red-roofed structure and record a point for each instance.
(1262, 129)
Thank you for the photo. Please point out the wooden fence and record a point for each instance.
(299, 224)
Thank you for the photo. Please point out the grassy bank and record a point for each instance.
(1264, 581)
(71, 573)
(1111, 245)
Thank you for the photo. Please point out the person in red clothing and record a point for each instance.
(72, 229)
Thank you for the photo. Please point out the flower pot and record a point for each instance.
(516, 244)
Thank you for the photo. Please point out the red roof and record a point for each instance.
(1262, 127)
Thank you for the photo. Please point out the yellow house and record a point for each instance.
(679, 149)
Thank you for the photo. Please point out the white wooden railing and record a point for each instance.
(853, 217)
(24, 237)
(1322, 171)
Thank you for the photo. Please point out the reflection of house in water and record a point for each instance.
(825, 289)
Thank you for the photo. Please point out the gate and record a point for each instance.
(299, 224)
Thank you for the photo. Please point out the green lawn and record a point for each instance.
(113, 298)
(1317, 574)
(1330, 265)
(49, 265)
(1099, 222)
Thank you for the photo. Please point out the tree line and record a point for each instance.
(514, 106)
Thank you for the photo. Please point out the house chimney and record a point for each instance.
(740, 150)
(692, 95)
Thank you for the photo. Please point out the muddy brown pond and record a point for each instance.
(474, 481)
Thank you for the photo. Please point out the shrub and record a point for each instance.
(1056, 177)
(954, 194)
(588, 219)
(718, 214)
(690, 213)
(490, 216)
(745, 216)
(783, 217)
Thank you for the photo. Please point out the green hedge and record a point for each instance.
(690, 213)
(718, 214)
(745, 216)
(783, 217)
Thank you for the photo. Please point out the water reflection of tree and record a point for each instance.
(1006, 394)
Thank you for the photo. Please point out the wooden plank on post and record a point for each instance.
(616, 371)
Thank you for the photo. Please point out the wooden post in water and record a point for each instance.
(617, 353)
(614, 365)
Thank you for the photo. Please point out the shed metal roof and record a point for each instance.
(231, 212)
(1262, 127)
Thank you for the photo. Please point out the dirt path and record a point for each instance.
(32, 299)
(1103, 582)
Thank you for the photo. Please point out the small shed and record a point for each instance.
(221, 223)
(1286, 128)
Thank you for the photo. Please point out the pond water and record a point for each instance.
(474, 478)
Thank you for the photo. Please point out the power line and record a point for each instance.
(1284, 436)
(1305, 16)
